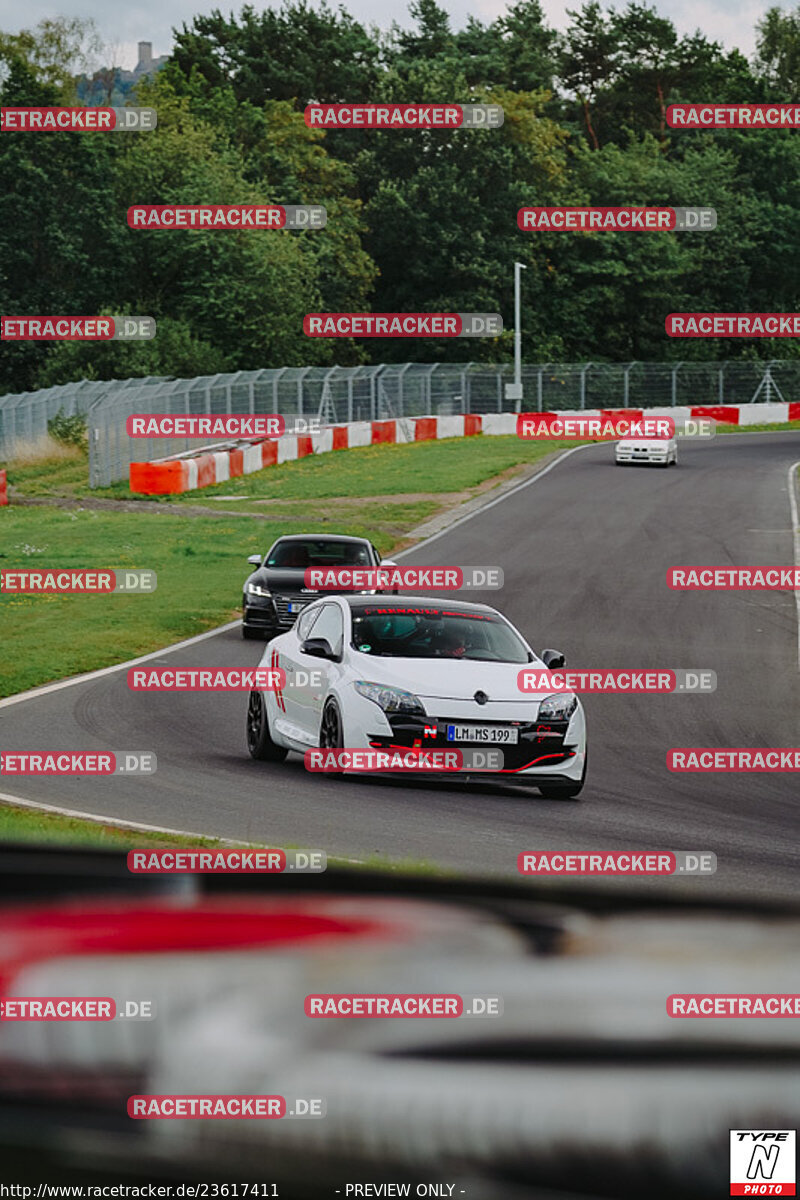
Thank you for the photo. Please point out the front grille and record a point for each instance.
(538, 740)
(282, 602)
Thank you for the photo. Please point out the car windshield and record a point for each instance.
(319, 552)
(397, 631)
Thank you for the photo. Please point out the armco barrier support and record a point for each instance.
(173, 475)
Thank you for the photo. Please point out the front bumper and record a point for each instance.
(642, 456)
(544, 752)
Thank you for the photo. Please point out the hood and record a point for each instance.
(645, 443)
(449, 679)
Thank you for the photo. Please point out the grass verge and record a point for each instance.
(24, 826)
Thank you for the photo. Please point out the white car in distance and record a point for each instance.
(660, 451)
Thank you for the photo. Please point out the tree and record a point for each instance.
(57, 50)
(62, 244)
(778, 52)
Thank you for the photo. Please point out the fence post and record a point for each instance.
(584, 369)
(675, 370)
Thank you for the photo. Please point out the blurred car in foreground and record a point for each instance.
(583, 1086)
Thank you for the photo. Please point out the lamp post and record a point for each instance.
(514, 390)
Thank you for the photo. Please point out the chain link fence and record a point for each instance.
(337, 395)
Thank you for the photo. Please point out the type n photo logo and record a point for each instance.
(763, 1162)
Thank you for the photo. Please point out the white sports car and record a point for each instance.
(417, 672)
(663, 451)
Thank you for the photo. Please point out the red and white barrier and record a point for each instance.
(217, 464)
(3, 489)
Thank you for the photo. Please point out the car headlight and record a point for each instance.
(255, 589)
(391, 699)
(558, 708)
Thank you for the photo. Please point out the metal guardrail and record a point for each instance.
(346, 394)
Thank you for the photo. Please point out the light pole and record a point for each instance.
(514, 391)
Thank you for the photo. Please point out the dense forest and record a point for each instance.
(417, 221)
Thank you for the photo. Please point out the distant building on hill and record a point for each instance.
(147, 65)
(112, 85)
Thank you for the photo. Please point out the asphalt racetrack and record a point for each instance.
(585, 550)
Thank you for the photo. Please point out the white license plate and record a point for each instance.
(295, 607)
(482, 733)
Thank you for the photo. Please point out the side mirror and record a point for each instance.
(553, 659)
(317, 648)
(254, 560)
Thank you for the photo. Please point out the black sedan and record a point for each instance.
(275, 593)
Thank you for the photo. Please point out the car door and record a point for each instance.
(288, 706)
(316, 676)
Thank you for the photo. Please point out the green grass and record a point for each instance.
(201, 563)
(451, 465)
(25, 826)
(781, 425)
(51, 477)
(29, 825)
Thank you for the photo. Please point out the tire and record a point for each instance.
(331, 732)
(565, 791)
(259, 740)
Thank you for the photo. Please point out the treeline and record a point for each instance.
(417, 221)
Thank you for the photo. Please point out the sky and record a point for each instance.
(731, 22)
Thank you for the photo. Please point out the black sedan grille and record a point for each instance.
(282, 602)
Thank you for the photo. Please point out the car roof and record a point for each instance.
(320, 537)
(357, 602)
